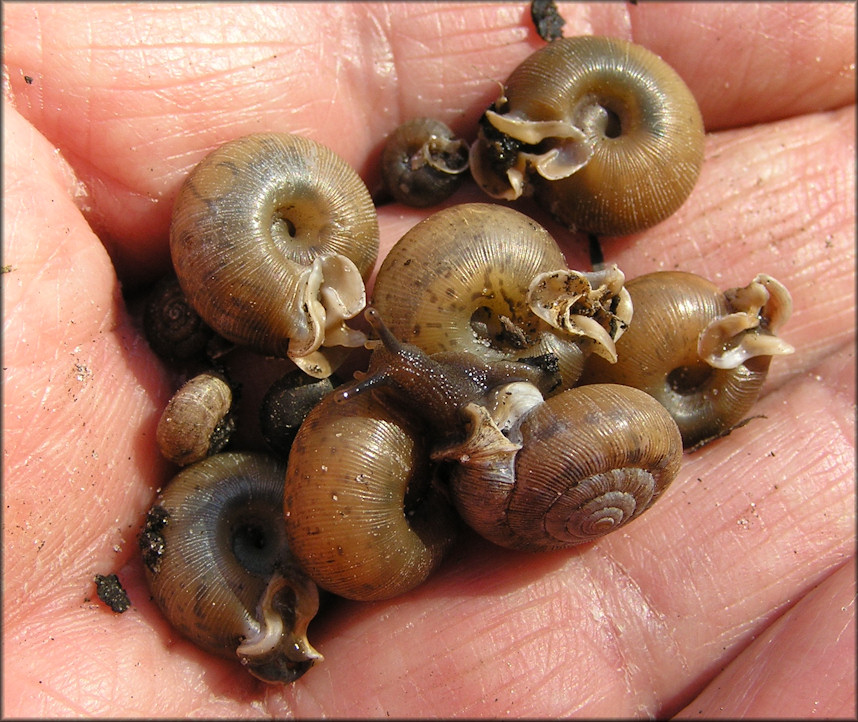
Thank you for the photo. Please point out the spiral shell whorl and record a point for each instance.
(361, 512)
(591, 459)
(613, 136)
(659, 354)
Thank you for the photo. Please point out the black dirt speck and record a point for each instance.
(110, 591)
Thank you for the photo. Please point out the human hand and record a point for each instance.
(733, 596)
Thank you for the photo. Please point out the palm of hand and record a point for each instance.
(635, 624)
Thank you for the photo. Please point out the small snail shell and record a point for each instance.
(270, 238)
(364, 514)
(605, 133)
(567, 470)
(197, 421)
(219, 567)
(488, 280)
(423, 163)
(285, 406)
(172, 327)
(702, 353)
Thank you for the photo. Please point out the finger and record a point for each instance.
(766, 63)
(803, 665)
(81, 394)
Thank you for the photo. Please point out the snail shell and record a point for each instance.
(423, 163)
(285, 406)
(566, 471)
(363, 511)
(271, 237)
(702, 353)
(487, 280)
(603, 131)
(172, 327)
(197, 421)
(219, 566)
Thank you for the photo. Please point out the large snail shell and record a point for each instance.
(219, 566)
(363, 513)
(464, 279)
(677, 316)
(604, 131)
(271, 237)
(576, 467)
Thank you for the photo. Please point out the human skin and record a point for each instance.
(733, 596)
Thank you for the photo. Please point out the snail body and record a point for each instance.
(702, 353)
(423, 163)
(487, 280)
(219, 566)
(271, 237)
(605, 134)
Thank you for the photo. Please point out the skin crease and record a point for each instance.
(736, 586)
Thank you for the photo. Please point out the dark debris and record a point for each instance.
(110, 591)
(547, 20)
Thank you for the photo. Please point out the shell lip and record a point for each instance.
(593, 305)
(759, 311)
(333, 293)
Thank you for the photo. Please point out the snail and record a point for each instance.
(285, 406)
(603, 132)
(173, 329)
(423, 163)
(198, 420)
(219, 567)
(491, 281)
(364, 512)
(701, 353)
(271, 237)
(476, 417)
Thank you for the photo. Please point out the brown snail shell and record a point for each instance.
(604, 133)
(573, 468)
(423, 163)
(363, 511)
(487, 280)
(271, 237)
(219, 566)
(197, 421)
(702, 353)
